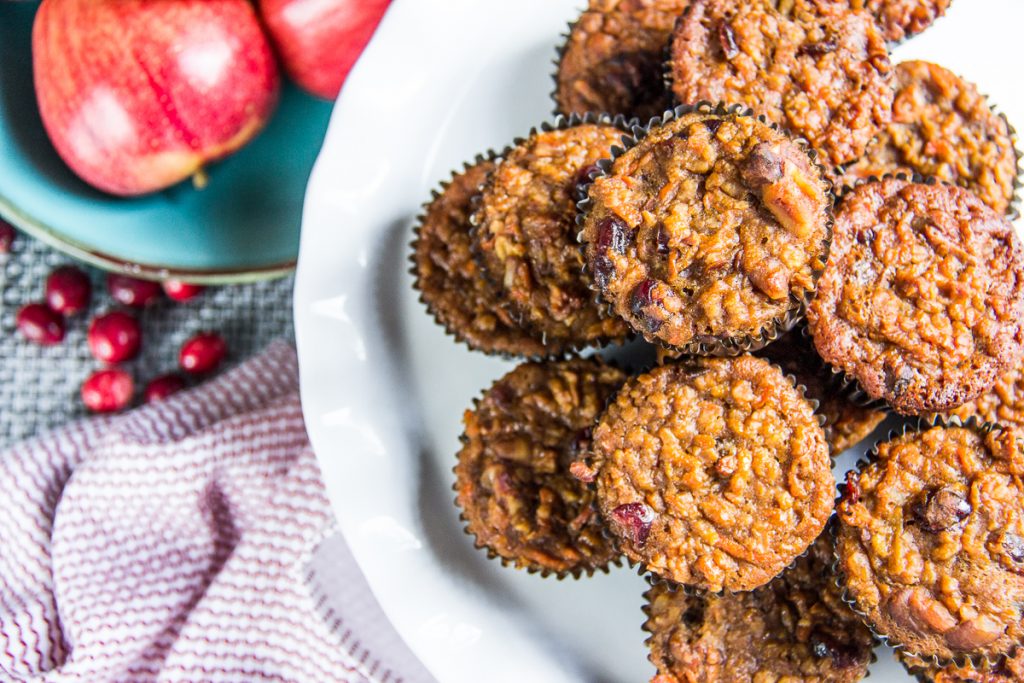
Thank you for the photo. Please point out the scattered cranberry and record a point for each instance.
(107, 391)
(161, 387)
(68, 290)
(7, 235)
(202, 353)
(40, 324)
(613, 235)
(129, 291)
(644, 296)
(114, 337)
(181, 291)
(637, 519)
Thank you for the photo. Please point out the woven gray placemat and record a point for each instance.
(39, 386)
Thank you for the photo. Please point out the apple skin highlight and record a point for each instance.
(139, 95)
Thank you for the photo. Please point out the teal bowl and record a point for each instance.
(244, 225)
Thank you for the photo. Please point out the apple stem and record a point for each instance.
(200, 179)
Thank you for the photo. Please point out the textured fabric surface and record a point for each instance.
(177, 542)
(39, 385)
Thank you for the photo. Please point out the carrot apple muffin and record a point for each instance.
(449, 280)
(714, 474)
(819, 69)
(526, 233)
(709, 232)
(796, 628)
(901, 19)
(512, 478)
(922, 301)
(1003, 670)
(931, 542)
(943, 127)
(614, 58)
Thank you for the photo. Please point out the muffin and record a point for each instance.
(513, 484)
(466, 304)
(901, 19)
(943, 127)
(1002, 404)
(710, 232)
(846, 423)
(525, 233)
(715, 475)
(922, 301)
(818, 69)
(1009, 670)
(614, 58)
(802, 629)
(930, 542)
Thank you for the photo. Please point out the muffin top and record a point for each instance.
(450, 282)
(1002, 404)
(715, 475)
(526, 233)
(614, 58)
(901, 19)
(512, 478)
(819, 69)
(922, 300)
(931, 542)
(712, 228)
(942, 127)
(802, 629)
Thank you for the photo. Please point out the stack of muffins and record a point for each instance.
(810, 240)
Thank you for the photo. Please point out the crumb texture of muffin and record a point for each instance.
(526, 233)
(900, 19)
(449, 280)
(512, 478)
(931, 542)
(797, 628)
(711, 230)
(942, 127)
(819, 69)
(922, 300)
(715, 475)
(614, 58)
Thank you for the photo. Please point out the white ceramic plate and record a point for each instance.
(384, 389)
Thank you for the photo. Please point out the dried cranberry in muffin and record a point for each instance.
(512, 479)
(614, 58)
(715, 475)
(816, 68)
(922, 301)
(944, 128)
(710, 232)
(526, 233)
(800, 628)
(450, 281)
(931, 542)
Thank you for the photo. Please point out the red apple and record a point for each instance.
(138, 95)
(320, 40)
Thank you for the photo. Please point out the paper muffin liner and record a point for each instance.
(911, 426)
(741, 343)
(554, 352)
(653, 575)
(559, 122)
(522, 563)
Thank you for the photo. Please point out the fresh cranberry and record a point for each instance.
(637, 519)
(161, 387)
(114, 337)
(129, 291)
(181, 291)
(202, 353)
(40, 324)
(7, 235)
(107, 391)
(68, 290)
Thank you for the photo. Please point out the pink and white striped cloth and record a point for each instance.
(189, 540)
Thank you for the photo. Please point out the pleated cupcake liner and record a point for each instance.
(910, 427)
(567, 346)
(522, 563)
(737, 344)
